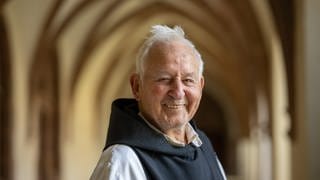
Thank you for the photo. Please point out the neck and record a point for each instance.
(178, 134)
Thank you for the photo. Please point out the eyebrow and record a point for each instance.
(166, 73)
(193, 74)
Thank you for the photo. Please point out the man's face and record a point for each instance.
(170, 88)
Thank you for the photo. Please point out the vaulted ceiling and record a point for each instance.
(102, 39)
(85, 50)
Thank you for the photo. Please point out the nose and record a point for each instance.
(177, 89)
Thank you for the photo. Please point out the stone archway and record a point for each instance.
(6, 161)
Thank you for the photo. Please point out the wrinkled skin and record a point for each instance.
(170, 88)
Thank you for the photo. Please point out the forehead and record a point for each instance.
(171, 53)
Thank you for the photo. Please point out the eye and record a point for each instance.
(189, 81)
(163, 79)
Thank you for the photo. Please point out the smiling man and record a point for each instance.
(153, 136)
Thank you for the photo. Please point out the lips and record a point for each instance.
(174, 105)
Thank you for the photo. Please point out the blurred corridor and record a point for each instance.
(63, 62)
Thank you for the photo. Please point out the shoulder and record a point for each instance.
(119, 153)
(120, 156)
(118, 162)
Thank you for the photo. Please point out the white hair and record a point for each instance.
(163, 33)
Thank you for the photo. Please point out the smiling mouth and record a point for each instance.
(174, 106)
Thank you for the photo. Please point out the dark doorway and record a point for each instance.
(211, 118)
(5, 105)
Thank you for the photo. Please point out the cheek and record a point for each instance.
(152, 97)
(158, 92)
(194, 98)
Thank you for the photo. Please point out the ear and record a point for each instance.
(135, 84)
(202, 82)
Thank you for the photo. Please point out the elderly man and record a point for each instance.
(153, 136)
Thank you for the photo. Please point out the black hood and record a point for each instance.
(127, 127)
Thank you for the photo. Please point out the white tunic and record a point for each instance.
(118, 162)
